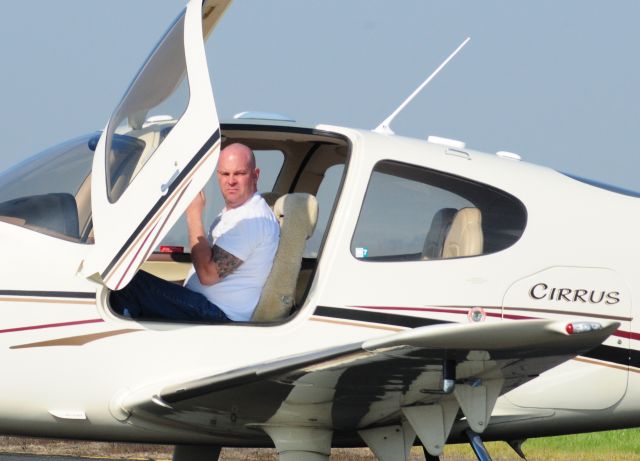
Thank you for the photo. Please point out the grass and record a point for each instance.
(621, 445)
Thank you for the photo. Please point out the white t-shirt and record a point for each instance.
(251, 233)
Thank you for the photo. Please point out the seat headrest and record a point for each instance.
(300, 211)
(465, 236)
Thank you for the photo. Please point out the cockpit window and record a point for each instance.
(412, 213)
(50, 192)
(157, 97)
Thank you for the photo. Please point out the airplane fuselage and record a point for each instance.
(71, 363)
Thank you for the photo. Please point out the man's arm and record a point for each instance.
(211, 264)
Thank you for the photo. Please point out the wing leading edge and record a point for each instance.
(416, 380)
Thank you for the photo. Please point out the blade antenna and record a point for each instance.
(385, 126)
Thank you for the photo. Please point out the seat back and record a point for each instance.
(465, 235)
(297, 214)
(440, 225)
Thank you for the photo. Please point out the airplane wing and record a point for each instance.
(422, 375)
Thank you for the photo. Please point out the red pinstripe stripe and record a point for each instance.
(51, 325)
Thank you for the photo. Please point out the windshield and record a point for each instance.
(51, 191)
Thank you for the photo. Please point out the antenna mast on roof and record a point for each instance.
(385, 126)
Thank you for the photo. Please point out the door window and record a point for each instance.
(157, 97)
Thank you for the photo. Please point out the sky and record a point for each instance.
(556, 82)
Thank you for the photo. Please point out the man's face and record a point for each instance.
(237, 178)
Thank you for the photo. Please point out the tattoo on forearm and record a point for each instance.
(225, 261)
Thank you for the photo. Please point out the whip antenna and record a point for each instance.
(385, 126)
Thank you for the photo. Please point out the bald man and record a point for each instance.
(230, 263)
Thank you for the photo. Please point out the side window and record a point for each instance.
(412, 213)
(326, 195)
(269, 161)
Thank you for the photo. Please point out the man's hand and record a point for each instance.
(196, 207)
(201, 254)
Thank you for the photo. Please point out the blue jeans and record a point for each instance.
(151, 297)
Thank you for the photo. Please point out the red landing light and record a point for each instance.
(582, 327)
(171, 249)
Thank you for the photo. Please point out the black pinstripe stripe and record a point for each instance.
(375, 317)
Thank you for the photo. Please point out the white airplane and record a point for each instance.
(446, 295)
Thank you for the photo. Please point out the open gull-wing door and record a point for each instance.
(158, 150)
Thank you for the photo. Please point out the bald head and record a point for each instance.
(238, 150)
(237, 174)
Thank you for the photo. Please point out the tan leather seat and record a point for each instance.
(297, 214)
(465, 235)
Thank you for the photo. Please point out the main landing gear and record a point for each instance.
(479, 449)
(478, 446)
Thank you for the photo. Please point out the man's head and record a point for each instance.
(237, 174)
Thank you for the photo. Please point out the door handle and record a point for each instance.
(165, 187)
